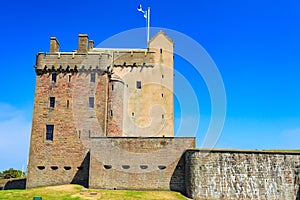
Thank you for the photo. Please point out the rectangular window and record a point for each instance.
(91, 102)
(93, 78)
(67, 104)
(69, 78)
(138, 85)
(49, 132)
(53, 78)
(110, 113)
(52, 102)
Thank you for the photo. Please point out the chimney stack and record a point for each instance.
(54, 45)
(83, 40)
(91, 44)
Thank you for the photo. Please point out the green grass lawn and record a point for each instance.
(77, 192)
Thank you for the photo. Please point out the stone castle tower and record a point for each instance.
(103, 118)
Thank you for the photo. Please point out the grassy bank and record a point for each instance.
(76, 192)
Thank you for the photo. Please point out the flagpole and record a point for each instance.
(148, 25)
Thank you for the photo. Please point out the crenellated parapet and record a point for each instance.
(98, 61)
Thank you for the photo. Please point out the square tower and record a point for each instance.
(91, 100)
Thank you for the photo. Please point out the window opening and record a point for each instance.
(52, 102)
(49, 132)
(53, 78)
(138, 85)
(91, 102)
(93, 77)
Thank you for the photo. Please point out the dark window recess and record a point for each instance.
(53, 78)
(143, 166)
(107, 166)
(93, 78)
(41, 167)
(110, 113)
(79, 168)
(67, 167)
(132, 114)
(49, 132)
(91, 102)
(125, 166)
(162, 116)
(162, 76)
(161, 167)
(162, 95)
(67, 104)
(160, 50)
(112, 87)
(54, 167)
(138, 85)
(52, 102)
(79, 134)
(69, 79)
(89, 133)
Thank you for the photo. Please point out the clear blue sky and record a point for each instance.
(255, 45)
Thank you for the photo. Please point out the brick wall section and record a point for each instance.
(109, 156)
(242, 175)
(115, 108)
(60, 161)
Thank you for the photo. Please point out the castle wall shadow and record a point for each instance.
(82, 175)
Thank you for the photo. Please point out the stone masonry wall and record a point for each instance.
(242, 175)
(139, 163)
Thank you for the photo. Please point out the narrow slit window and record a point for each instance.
(89, 134)
(132, 114)
(162, 95)
(93, 78)
(112, 87)
(138, 85)
(69, 79)
(110, 113)
(53, 78)
(163, 116)
(67, 104)
(160, 50)
(79, 134)
(52, 102)
(162, 76)
(49, 132)
(91, 102)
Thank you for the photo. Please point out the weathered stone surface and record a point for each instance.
(138, 163)
(242, 174)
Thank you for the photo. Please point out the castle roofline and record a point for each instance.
(161, 32)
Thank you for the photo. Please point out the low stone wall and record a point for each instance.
(225, 174)
(139, 163)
